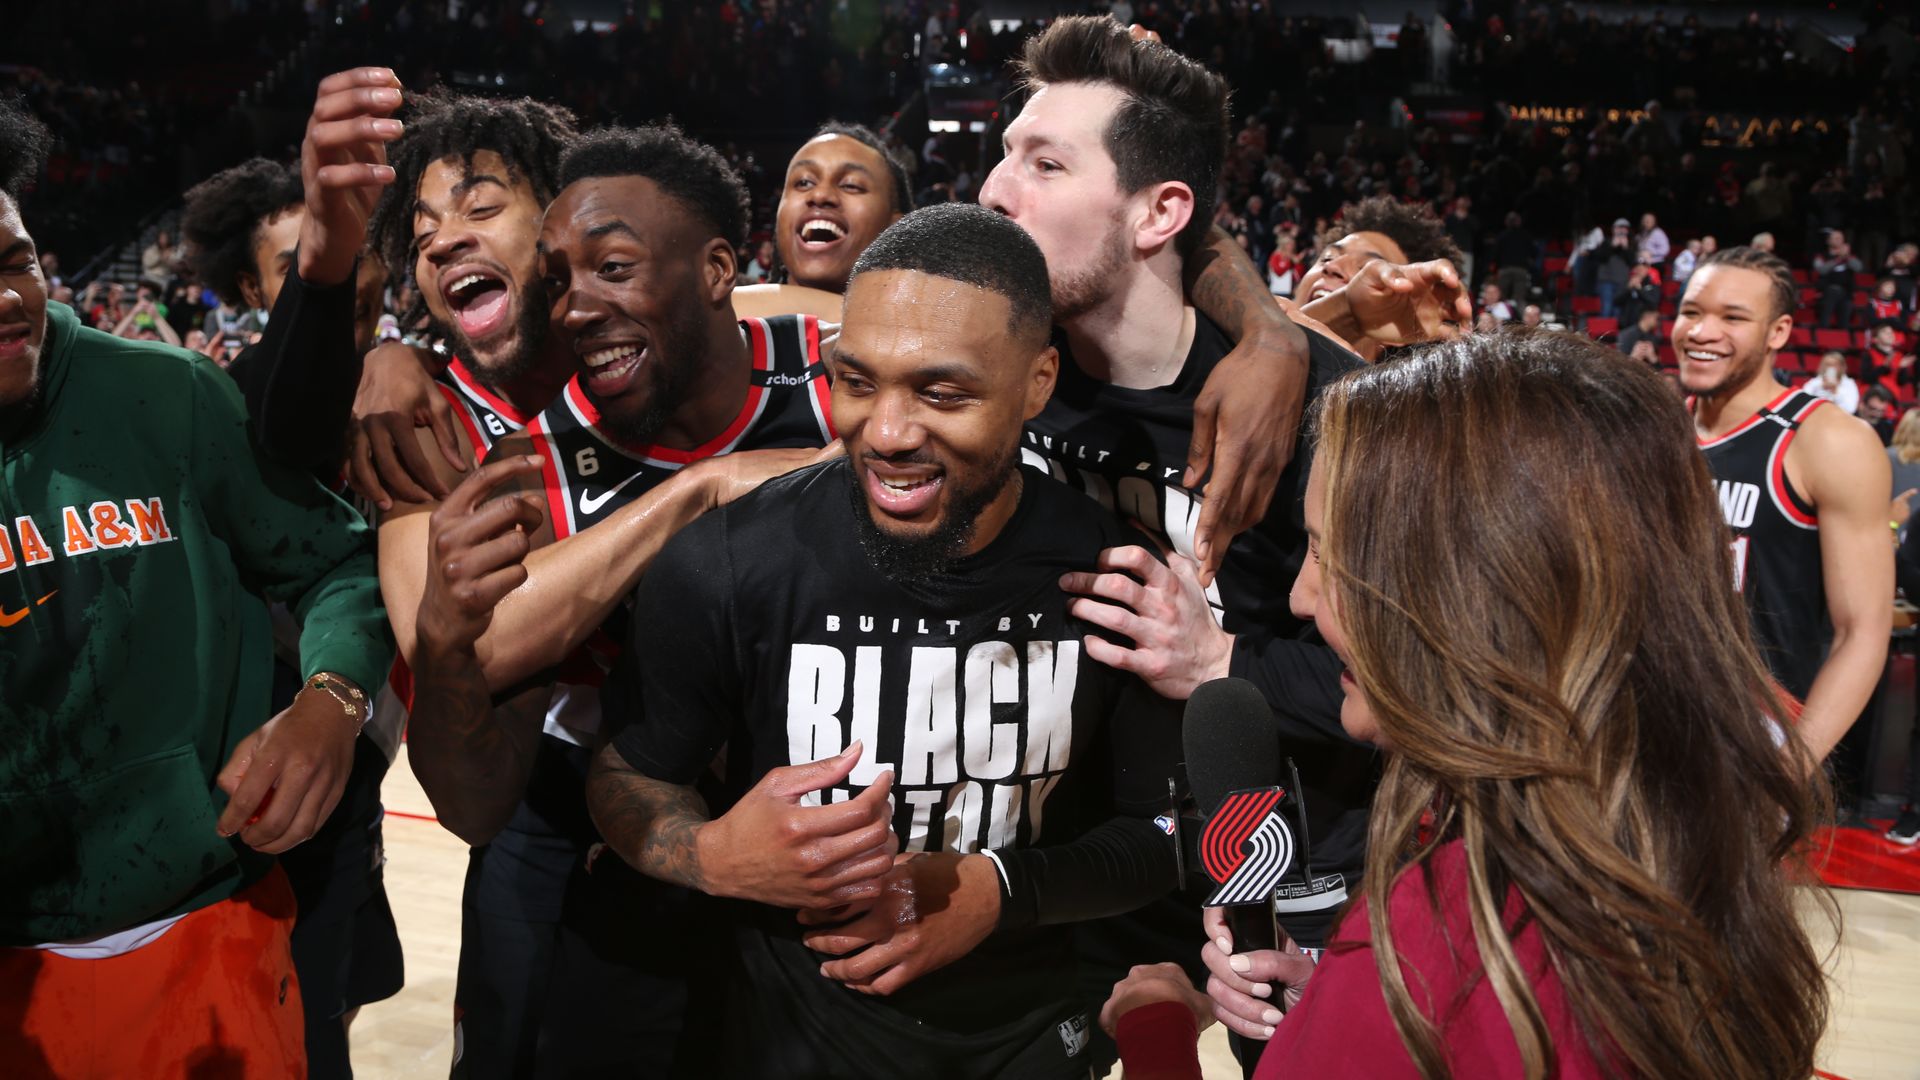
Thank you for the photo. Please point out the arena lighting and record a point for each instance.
(943, 125)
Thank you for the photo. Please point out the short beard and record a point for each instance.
(1739, 374)
(530, 345)
(1080, 292)
(907, 559)
(681, 354)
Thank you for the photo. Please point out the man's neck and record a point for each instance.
(724, 375)
(1715, 416)
(1139, 335)
(993, 519)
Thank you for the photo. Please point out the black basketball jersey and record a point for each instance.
(483, 414)
(1776, 539)
(485, 417)
(589, 475)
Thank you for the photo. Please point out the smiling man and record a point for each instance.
(1377, 230)
(143, 922)
(637, 267)
(842, 189)
(891, 624)
(1803, 489)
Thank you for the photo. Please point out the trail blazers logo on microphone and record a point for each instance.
(1247, 846)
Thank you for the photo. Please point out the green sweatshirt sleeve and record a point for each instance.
(293, 541)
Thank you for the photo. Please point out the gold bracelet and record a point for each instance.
(356, 709)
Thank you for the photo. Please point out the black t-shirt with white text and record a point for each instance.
(764, 628)
(1127, 449)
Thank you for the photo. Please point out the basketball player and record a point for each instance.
(1113, 174)
(843, 187)
(637, 262)
(1376, 231)
(823, 629)
(1803, 489)
(145, 926)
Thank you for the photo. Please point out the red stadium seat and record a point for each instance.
(1803, 277)
(1802, 337)
(1863, 280)
(1598, 327)
(1832, 339)
(1554, 264)
(1667, 358)
(1586, 305)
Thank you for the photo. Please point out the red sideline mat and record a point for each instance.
(1863, 859)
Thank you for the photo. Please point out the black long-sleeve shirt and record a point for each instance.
(300, 378)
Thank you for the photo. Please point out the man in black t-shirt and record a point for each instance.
(892, 625)
(1117, 203)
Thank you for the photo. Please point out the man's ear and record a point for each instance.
(1779, 333)
(250, 290)
(1040, 382)
(1166, 209)
(721, 269)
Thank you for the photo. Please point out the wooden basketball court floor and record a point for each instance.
(1875, 1032)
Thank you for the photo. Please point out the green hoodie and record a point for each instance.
(139, 531)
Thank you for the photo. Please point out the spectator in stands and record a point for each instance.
(50, 269)
(1763, 242)
(1642, 293)
(1833, 383)
(1833, 274)
(1284, 266)
(1642, 340)
(1884, 307)
(1613, 267)
(1887, 355)
(1877, 408)
(761, 269)
(1900, 267)
(1513, 249)
(1494, 304)
(160, 262)
(1464, 229)
(1684, 262)
(1653, 243)
(1904, 455)
(232, 322)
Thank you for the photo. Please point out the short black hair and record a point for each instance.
(1173, 123)
(530, 137)
(24, 142)
(1783, 292)
(1419, 232)
(683, 167)
(968, 243)
(224, 213)
(896, 168)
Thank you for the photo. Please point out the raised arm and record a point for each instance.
(1847, 474)
(1248, 414)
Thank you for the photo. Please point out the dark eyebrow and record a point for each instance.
(945, 371)
(17, 247)
(607, 228)
(471, 182)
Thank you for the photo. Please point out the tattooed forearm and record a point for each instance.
(1225, 285)
(472, 757)
(651, 823)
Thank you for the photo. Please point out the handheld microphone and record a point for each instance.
(1233, 765)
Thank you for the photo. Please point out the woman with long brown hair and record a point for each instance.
(1581, 857)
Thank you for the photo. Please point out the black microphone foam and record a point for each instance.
(1229, 738)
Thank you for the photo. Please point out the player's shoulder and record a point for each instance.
(1829, 434)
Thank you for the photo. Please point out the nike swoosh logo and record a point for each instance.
(589, 503)
(8, 618)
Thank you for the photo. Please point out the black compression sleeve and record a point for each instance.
(1114, 868)
(1299, 679)
(303, 376)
